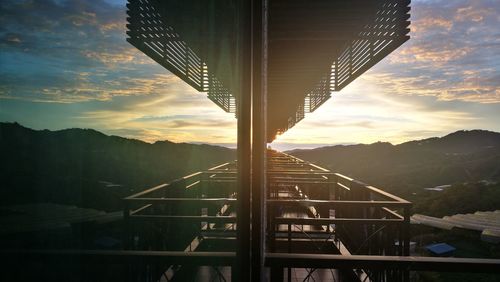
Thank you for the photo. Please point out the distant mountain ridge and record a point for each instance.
(87, 168)
(462, 156)
(463, 141)
(71, 166)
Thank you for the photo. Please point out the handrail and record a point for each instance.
(187, 218)
(327, 221)
(392, 213)
(386, 194)
(337, 203)
(373, 189)
(183, 200)
(299, 172)
(164, 185)
(219, 166)
(383, 262)
(150, 190)
(122, 256)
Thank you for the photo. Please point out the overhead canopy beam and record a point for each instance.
(314, 47)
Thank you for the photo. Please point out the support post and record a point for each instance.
(126, 223)
(242, 267)
(406, 239)
(406, 231)
(259, 91)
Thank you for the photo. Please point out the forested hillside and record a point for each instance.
(90, 169)
(464, 159)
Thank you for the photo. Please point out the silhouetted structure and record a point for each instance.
(267, 216)
(310, 211)
(270, 62)
(311, 47)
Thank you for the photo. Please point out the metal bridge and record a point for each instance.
(319, 226)
(310, 211)
(270, 62)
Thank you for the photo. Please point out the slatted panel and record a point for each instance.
(314, 99)
(305, 39)
(320, 94)
(220, 95)
(148, 32)
(388, 31)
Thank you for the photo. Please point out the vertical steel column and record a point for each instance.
(406, 239)
(259, 91)
(242, 265)
(126, 221)
(406, 231)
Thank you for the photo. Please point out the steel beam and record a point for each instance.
(244, 106)
(122, 257)
(384, 262)
(259, 111)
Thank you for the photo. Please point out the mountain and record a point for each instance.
(87, 168)
(404, 169)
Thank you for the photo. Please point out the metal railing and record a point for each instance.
(347, 216)
(315, 219)
(180, 210)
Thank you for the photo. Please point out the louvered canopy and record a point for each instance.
(314, 47)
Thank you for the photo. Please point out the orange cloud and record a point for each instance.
(422, 25)
(84, 18)
(117, 26)
(469, 89)
(124, 56)
(439, 54)
(473, 14)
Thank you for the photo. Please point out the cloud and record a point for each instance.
(84, 86)
(448, 87)
(68, 64)
(423, 25)
(71, 51)
(473, 13)
(367, 112)
(180, 115)
(432, 53)
(453, 54)
(366, 124)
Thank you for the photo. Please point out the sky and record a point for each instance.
(66, 64)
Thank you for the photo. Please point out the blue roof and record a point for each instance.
(440, 248)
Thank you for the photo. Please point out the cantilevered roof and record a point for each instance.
(314, 47)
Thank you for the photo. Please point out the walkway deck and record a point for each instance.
(310, 210)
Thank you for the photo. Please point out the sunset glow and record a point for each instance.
(68, 67)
